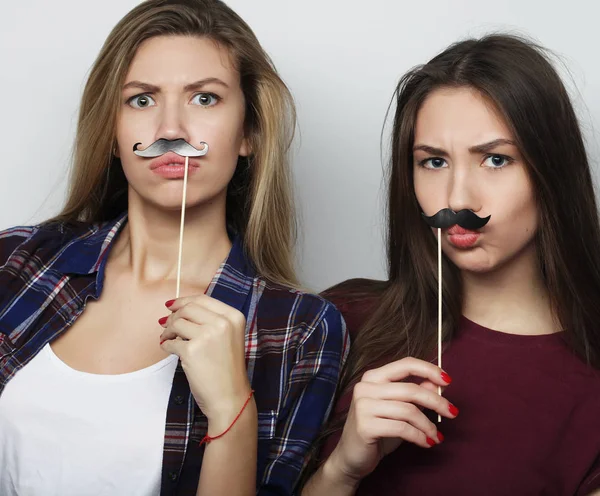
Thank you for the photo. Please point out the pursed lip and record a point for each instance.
(461, 237)
(170, 159)
(458, 230)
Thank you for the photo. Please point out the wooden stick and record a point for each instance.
(183, 201)
(439, 308)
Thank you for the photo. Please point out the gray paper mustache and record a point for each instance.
(178, 146)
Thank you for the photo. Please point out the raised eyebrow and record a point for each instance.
(490, 145)
(146, 87)
(196, 85)
(432, 150)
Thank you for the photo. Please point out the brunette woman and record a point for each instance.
(485, 129)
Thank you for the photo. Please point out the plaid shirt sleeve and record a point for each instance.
(307, 401)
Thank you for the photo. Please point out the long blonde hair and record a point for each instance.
(260, 205)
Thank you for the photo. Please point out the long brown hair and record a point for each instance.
(260, 205)
(518, 77)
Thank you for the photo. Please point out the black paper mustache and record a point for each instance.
(162, 146)
(464, 218)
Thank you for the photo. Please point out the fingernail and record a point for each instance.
(453, 409)
(440, 437)
(446, 378)
(169, 303)
(431, 442)
(162, 320)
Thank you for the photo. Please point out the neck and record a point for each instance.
(511, 299)
(148, 247)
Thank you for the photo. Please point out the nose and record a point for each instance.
(173, 123)
(462, 190)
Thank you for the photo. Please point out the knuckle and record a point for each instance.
(402, 429)
(176, 323)
(238, 318)
(192, 348)
(222, 324)
(410, 361)
(412, 391)
(184, 312)
(368, 376)
(361, 406)
(411, 410)
(359, 390)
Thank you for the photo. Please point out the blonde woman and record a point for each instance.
(225, 393)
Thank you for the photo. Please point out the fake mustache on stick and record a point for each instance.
(178, 146)
(447, 217)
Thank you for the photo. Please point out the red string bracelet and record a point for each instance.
(207, 439)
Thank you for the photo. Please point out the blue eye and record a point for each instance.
(434, 163)
(141, 101)
(205, 99)
(497, 161)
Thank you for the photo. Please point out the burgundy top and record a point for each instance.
(528, 423)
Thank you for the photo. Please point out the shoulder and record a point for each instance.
(24, 241)
(42, 241)
(299, 306)
(298, 316)
(356, 299)
(12, 238)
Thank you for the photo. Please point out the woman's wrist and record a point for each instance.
(335, 472)
(240, 413)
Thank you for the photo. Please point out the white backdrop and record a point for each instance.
(341, 59)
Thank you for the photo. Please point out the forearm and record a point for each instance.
(229, 463)
(328, 481)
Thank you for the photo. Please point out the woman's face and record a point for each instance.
(181, 87)
(465, 158)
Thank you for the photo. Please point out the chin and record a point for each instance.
(170, 200)
(476, 261)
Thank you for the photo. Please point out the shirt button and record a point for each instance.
(173, 476)
(179, 400)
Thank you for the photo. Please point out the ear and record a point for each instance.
(115, 149)
(244, 148)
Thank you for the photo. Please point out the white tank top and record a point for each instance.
(69, 433)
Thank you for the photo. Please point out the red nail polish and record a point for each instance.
(430, 442)
(440, 437)
(169, 303)
(162, 320)
(453, 409)
(446, 378)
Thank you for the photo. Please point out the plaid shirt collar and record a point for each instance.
(89, 253)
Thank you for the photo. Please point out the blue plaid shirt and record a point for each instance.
(296, 344)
